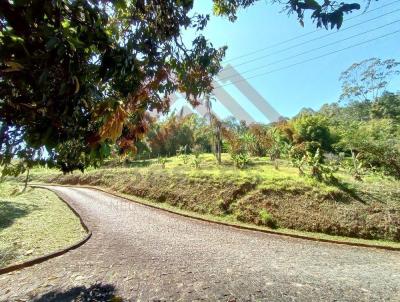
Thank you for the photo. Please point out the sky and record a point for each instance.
(251, 39)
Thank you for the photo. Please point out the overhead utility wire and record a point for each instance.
(311, 59)
(312, 50)
(306, 34)
(312, 40)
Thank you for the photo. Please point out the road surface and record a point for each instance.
(144, 254)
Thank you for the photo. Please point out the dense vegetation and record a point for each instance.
(361, 137)
(335, 170)
(78, 79)
(360, 133)
(259, 194)
(79, 76)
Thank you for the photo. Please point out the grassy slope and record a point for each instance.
(258, 195)
(34, 223)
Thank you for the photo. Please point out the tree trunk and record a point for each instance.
(218, 145)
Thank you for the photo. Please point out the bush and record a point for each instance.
(162, 161)
(262, 139)
(377, 143)
(196, 161)
(382, 157)
(267, 219)
(182, 153)
(241, 160)
(238, 147)
(313, 128)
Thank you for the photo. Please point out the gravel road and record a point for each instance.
(145, 254)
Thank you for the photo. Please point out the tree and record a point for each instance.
(82, 74)
(262, 139)
(387, 106)
(239, 146)
(78, 73)
(165, 138)
(216, 129)
(312, 129)
(368, 79)
(376, 143)
(325, 13)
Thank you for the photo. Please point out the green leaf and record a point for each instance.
(312, 4)
(339, 21)
(105, 150)
(52, 43)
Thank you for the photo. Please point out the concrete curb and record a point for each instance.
(57, 253)
(248, 228)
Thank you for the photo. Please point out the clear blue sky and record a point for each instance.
(306, 85)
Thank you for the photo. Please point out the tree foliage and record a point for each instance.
(82, 73)
(325, 13)
(77, 76)
(312, 128)
(368, 79)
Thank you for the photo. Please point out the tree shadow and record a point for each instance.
(95, 293)
(348, 189)
(9, 211)
(137, 163)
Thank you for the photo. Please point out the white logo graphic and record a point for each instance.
(235, 108)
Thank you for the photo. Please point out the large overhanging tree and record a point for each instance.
(76, 76)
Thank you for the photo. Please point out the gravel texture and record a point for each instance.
(144, 254)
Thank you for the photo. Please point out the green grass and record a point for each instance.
(34, 223)
(261, 171)
(369, 209)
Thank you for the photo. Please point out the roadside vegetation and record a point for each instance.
(34, 223)
(334, 171)
(258, 194)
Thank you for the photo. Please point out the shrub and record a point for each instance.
(182, 153)
(267, 219)
(318, 169)
(162, 161)
(356, 166)
(238, 147)
(313, 128)
(196, 161)
(241, 160)
(376, 142)
(262, 139)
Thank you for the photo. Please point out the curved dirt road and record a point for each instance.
(150, 255)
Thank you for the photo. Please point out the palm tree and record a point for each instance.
(216, 127)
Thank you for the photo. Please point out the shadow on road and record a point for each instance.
(95, 293)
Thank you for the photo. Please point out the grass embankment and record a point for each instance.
(33, 224)
(258, 195)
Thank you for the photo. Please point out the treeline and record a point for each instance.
(360, 135)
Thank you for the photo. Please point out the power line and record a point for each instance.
(312, 40)
(311, 59)
(306, 34)
(313, 49)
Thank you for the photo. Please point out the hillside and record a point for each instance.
(259, 194)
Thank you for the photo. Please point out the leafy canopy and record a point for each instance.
(75, 76)
(325, 13)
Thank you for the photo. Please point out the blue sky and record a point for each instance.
(305, 85)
